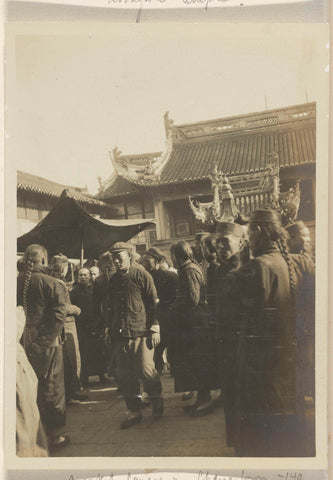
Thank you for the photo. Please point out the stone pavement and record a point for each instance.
(94, 428)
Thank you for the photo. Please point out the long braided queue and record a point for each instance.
(33, 255)
(284, 249)
(276, 233)
(27, 277)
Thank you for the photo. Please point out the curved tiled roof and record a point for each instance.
(240, 153)
(236, 145)
(33, 183)
(119, 186)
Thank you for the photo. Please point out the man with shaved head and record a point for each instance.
(94, 273)
(102, 355)
(81, 295)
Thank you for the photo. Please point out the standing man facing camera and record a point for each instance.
(134, 332)
(229, 242)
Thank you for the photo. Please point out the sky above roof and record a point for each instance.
(80, 93)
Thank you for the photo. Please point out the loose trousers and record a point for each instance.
(135, 363)
(83, 335)
(228, 370)
(49, 368)
(72, 360)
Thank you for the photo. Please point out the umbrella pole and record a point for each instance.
(82, 253)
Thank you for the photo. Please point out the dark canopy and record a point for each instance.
(68, 227)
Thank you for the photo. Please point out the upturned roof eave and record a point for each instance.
(193, 180)
(49, 193)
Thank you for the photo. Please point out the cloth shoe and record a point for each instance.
(187, 396)
(79, 396)
(132, 419)
(73, 402)
(58, 442)
(203, 409)
(145, 400)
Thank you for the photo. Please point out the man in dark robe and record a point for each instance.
(71, 349)
(166, 286)
(301, 248)
(43, 299)
(194, 361)
(229, 241)
(103, 357)
(270, 412)
(81, 296)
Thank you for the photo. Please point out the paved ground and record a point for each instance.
(94, 428)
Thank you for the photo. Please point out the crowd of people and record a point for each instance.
(234, 313)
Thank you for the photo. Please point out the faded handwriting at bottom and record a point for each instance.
(201, 475)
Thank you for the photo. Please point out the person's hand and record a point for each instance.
(107, 337)
(34, 356)
(33, 350)
(155, 339)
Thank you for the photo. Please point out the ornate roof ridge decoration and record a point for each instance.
(104, 184)
(218, 127)
(262, 191)
(141, 169)
(223, 207)
(190, 148)
(286, 203)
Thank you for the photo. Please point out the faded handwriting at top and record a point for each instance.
(170, 3)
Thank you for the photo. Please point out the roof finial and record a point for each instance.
(116, 152)
(168, 122)
(100, 183)
(66, 194)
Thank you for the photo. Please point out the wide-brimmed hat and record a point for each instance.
(229, 228)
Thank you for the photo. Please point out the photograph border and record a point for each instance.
(321, 31)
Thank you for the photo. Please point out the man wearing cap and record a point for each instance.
(229, 242)
(133, 330)
(166, 286)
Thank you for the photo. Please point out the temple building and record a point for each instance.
(36, 196)
(260, 153)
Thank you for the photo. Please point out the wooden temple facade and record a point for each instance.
(252, 150)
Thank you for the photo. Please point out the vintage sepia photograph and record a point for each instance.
(169, 186)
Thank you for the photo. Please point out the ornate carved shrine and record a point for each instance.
(234, 198)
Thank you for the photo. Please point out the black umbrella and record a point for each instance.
(70, 229)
